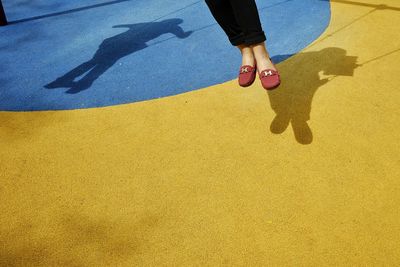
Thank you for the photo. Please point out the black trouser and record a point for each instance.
(239, 19)
(3, 19)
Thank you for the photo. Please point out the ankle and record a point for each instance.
(262, 57)
(248, 60)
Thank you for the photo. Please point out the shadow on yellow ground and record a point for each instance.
(302, 75)
(76, 240)
(197, 179)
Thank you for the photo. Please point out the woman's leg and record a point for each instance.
(223, 13)
(246, 14)
(240, 21)
(262, 57)
(247, 17)
(247, 55)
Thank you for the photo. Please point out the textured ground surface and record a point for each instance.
(93, 53)
(306, 175)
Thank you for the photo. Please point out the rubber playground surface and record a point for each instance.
(125, 139)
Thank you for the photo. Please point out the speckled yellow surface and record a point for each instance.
(306, 175)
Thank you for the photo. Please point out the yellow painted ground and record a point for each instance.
(210, 178)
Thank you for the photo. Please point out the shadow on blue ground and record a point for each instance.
(114, 48)
(150, 59)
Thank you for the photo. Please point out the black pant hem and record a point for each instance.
(255, 38)
(248, 40)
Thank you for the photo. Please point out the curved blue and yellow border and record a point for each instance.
(129, 51)
(305, 175)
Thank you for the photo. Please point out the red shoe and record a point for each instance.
(247, 75)
(270, 79)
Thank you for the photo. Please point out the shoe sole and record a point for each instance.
(247, 84)
(272, 88)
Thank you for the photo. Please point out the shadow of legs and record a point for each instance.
(89, 78)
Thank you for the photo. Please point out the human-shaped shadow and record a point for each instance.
(301, 77)
(114, 48)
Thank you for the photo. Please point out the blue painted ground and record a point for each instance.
(58, 55)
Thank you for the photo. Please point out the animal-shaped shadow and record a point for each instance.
(114, 48)
(300, 80)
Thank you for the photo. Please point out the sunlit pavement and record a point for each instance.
(305, 175)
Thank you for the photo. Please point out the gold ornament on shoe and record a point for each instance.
(244, 70)
(268, 73)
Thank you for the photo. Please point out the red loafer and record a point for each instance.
(270, 79)
(247, 75)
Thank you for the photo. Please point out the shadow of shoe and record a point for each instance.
(79, 86)
(59, 83)
(302, 132)
(280, 123)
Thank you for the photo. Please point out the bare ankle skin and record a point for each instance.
(262, 57)
(247, 55)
